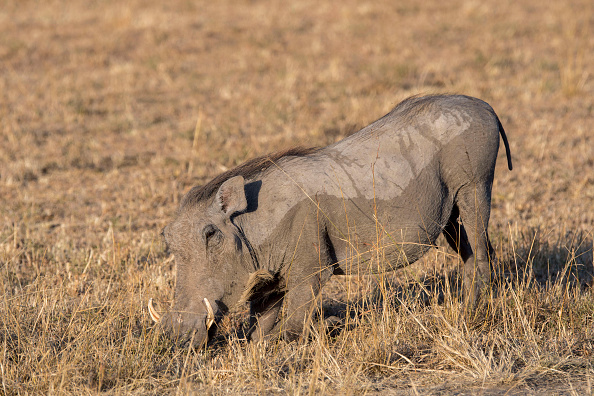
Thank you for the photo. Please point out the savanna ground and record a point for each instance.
(111, 110)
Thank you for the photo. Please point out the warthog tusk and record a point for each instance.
(153, 312)
(209, 314)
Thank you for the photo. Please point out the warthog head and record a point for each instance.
(209, 254)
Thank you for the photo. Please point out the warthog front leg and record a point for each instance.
(303, 286)
(264, 315)
(298, 304)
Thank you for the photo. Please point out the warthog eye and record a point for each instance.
(211, 235)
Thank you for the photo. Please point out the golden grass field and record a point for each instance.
(111, 110)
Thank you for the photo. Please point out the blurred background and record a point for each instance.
(110, 110)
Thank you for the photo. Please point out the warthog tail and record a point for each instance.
(506, 144)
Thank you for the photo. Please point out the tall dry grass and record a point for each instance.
(110, 111)
(84, 329)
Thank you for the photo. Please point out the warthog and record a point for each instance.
(273, 230)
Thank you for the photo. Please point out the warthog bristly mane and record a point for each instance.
(247, 169)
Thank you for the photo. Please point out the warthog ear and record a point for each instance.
(231, 196)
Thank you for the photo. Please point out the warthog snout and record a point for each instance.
(185, 326)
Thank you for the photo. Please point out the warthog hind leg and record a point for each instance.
(470, 238)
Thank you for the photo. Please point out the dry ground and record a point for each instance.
(111, 110)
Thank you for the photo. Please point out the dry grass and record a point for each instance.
(110, 111)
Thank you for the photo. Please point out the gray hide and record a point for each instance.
(274, 230)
